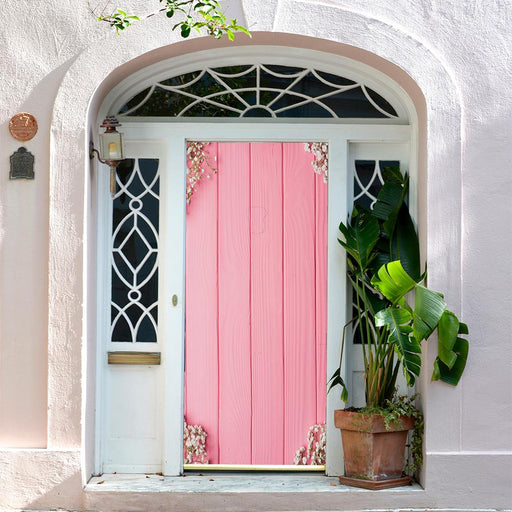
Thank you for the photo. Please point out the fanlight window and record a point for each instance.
(257, 90)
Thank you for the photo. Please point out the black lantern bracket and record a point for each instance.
(111, 148)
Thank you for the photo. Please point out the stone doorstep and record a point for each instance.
(197, 487)
(224, 482)
(360, 510)
(221, 482)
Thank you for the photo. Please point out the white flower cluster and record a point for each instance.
(320, 152)
(194, 444)
(198, 166)
(314, 453)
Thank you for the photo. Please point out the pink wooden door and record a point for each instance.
(256, 303)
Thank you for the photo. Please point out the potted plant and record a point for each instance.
(394, 313)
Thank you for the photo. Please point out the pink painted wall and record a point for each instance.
(255, 303)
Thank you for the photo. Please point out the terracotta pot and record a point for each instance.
(374, 455)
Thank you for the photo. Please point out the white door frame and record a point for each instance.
(172, 235)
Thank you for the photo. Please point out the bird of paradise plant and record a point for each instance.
(395, 311)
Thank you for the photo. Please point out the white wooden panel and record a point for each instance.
(336, 291)
(134, 426)
(172, 317)
(131, 397)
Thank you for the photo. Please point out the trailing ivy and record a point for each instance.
(404, 406)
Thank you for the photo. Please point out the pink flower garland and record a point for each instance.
(194, 444)
(198, 166)
(320, 152)
(314, 453)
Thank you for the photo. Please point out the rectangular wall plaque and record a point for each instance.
(142, 358)
(22, 165)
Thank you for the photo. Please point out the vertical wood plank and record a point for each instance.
(256, 303)
(300, 388)
(321, 295)
(201, 356)
(267, 304)
(234, 304)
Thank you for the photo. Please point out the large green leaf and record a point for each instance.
(360, 235)
(429, 307)
(390, 198)
(453, 375)
(371, 301)
(337, 380)
(397, 321)
(393, 281)
(393, 174)
(387, 206)
(447, 332)
(463, 328)
(404, 243)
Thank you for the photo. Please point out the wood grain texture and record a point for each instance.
(256, 303)
(300, 387)
(267, 303)
(201, 341)
(234, 304)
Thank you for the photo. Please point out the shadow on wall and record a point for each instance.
(68, 494)
(24, 248)
(40, 480)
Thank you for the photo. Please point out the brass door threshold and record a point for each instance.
(251, 467)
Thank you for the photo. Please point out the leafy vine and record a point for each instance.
(404, 406)
(198, 15)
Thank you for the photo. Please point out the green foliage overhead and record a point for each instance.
(198, 15)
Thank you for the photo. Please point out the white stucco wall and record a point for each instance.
(455, 61)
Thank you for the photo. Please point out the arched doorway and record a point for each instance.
(362, 117)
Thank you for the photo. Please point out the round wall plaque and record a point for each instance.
(23, 126)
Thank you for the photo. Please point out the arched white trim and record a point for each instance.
(276, 55)
(289, 56)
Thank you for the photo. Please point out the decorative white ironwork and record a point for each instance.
(199, 166)
(135, 254)
(367, 184)
(258, 90)
(313, 454)
(320, 152)
(194, 444)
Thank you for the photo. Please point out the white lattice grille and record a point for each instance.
(368, 180)
(258, 90)
(135, 225)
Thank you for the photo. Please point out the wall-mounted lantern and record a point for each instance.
(111, 148)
